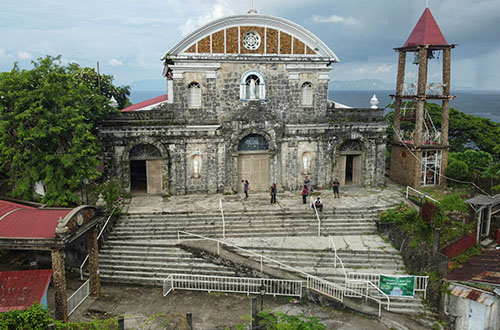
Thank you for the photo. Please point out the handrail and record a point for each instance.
(420, 193)
(262, 257)
(98, 236)
(317, 215)
(223, 222)
(382, 292)
(337, 257)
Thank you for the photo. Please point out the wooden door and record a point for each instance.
(255, 169)
(356, 170)
(153, 173)
(341, 166)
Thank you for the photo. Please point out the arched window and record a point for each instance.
(252, 86)
(306, 94)
(194, 95)
(144, 152)
(253, 142)
(351, 147)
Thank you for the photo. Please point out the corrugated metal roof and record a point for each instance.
(426, 32)
(148, 104)
(21, 221)
(484, 200)
(472, 294)
(483, 268)
(21, 289)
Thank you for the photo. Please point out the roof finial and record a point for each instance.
(252, 10)
(426, 3)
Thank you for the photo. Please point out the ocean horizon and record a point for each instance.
(485, 104)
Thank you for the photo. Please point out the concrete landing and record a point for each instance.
(350, 198)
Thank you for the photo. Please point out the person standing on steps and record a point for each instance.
(308, 184)
(274, 191)
(246, 187)
(318, 204)
(304, 194)
(336, 185)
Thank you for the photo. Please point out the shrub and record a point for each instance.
(457, 170)
(454, 203)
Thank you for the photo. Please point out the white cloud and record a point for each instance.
(114, 62)
(335, 19)
(220, 9)
(383, 68)
(24, 55)
(3, 53)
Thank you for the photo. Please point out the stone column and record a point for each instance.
(399, 92)
(93, 249)
(59, 278)
(421, 92)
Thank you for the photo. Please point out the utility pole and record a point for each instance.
(98, 79)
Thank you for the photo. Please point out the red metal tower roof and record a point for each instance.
(426, 32)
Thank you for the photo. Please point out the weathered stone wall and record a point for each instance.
(403, 166)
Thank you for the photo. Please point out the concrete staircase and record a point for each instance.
(247, 224)
(142, 247)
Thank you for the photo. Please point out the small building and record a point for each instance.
(21, 289)
(473, 299)
(484, 207)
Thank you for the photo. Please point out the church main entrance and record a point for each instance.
(350, 163)
(253, 162)
(145, 169)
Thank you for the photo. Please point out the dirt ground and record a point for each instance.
(146, 308)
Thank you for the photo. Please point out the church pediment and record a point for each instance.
(252, 34)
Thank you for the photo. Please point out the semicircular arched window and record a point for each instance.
(144, 151)
(253, 142)
(306, 95)
(351, 147)
(194, 95)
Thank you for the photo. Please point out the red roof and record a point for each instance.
(426, 32)
(21, 289)
(28, 222)
(484, 268)
(147, 104)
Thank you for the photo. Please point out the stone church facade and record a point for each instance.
(247, 100)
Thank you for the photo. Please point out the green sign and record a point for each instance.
(398, 286)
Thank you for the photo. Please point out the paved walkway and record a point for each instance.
(350, 198)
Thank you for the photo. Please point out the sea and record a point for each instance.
(484, 104)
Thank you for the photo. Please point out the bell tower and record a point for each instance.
(419, 153)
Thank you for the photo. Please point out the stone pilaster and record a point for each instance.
(93, 248)
(59, 280)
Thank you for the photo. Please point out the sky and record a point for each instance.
(128, 37)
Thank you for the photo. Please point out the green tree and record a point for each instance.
(48, 127)
(457, 170)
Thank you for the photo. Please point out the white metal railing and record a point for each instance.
(338, 292)
(421, 282)
(420, 194)
(223, 221)
(331, 244)
(262, 258)
(313, 282)
(317, 215)
(274, 287)
(98, 236)
(78, 297)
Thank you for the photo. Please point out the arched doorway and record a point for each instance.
(350, 162)
(145, 169)
(253, 162)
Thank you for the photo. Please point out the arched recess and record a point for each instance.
(253, 161)
(252, 86)
(350, 162)
(146, 169)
